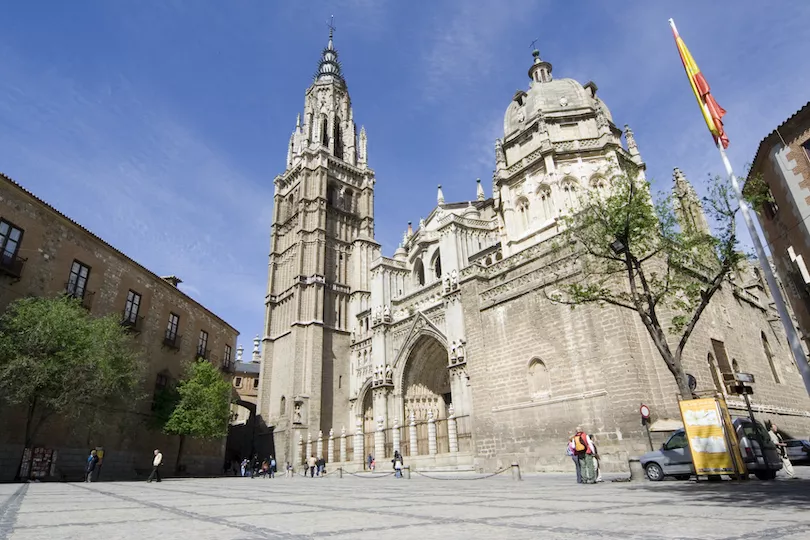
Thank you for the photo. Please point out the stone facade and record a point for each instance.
(40, 264)
(783, 161)
(246, 384)
(452, 351)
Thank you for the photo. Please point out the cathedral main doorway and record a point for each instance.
(426, 383)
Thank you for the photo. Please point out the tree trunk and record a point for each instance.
(29, 435)
(179, 454)
(681, 379)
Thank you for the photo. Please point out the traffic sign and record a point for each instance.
(645, 412)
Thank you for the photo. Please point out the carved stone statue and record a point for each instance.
(387, 312)
(453, 354)
(454, 278)
(354, 336)
(448, 284)
(460, 350)
(389, 373)
(297, 414)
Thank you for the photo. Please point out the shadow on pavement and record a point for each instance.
(751, 493)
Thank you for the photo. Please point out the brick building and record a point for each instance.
(451, 350)
(45, 253)
(783, 163)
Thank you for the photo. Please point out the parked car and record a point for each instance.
(798, 450)
(675, 459)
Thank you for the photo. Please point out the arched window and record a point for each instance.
(522, 207)
(569, 191)
(283, 407)
(769, 355)
(718, 382)
(436, 264)
(599, 184)
(539, 383)
(546, 204)
(419, 272)
(338, 137)
(324, 130)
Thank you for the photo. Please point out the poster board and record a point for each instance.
(711, 437)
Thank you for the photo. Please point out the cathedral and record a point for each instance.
(452, 351)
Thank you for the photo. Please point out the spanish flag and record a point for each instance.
(712, 112)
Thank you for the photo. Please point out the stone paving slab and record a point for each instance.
(357, 508)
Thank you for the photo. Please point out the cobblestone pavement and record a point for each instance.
(540, 506)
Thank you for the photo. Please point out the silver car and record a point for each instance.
(798, 451)
(675, 459)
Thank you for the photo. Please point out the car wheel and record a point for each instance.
(654, 472)
(765, 475)
(683, 476)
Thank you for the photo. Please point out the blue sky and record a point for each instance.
(160, 125)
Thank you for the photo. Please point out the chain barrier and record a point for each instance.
(370, 475)
(476, 478)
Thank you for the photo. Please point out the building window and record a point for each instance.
(227, 360)
(806, 146)
(255, 384)
(10, 239)
(539, 383)
(237, 382)
(437, 264)
(569, 189)
(77, 281)
(171, 329)
(766, 347)
(202, 344)
(161, 383)
(546, 206)
(419, 272)
(132, 307)
(522, 206)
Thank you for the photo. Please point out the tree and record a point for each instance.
(55, 360)
(639, 256)
(204, 405)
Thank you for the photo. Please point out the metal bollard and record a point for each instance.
(516, 472)
(340, 472)
(406, 471)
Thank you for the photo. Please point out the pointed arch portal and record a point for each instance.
(425, 381)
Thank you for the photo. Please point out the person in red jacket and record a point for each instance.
(584, 451)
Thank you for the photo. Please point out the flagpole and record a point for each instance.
(787, 322)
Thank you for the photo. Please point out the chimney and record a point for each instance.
(174, 280)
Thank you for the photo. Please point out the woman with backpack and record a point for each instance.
(584, 451)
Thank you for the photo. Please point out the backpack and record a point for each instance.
(580, 443)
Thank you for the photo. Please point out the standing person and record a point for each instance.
(288, 470)
(397, 464)
(583, 448)
(272, 467)
(777, 439)
(243, 467)
(373, 464)
(571, 452)
(156, 463)
(369, 459)
(90, 468)
(311, 463)
(321, 466)
(596, 461)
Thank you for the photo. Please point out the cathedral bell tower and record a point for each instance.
(322, 244)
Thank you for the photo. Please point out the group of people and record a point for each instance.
(582, 449)
(267, 468)
(316, 466)
(397, 462)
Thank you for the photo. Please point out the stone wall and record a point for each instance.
(51, 242)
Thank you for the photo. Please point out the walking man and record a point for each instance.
(584, 450)
(156, 466)
(90, 468)
(311, 463)
(781, 447)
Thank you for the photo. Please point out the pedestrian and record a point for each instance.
(373, 464)
(583, 448)
(265, 470)
(311, 463)
(272, 467)
(397, 464)
(244, 467)
(597, 461)
(570, 451)
(156, 463)
(781, 447)
(321, 466)
(90, 468)
(289, 472)
(369, 459)
(255, 466)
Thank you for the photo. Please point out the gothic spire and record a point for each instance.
(440, 196)
(479, 191)
(688, 209)
(329, 65)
